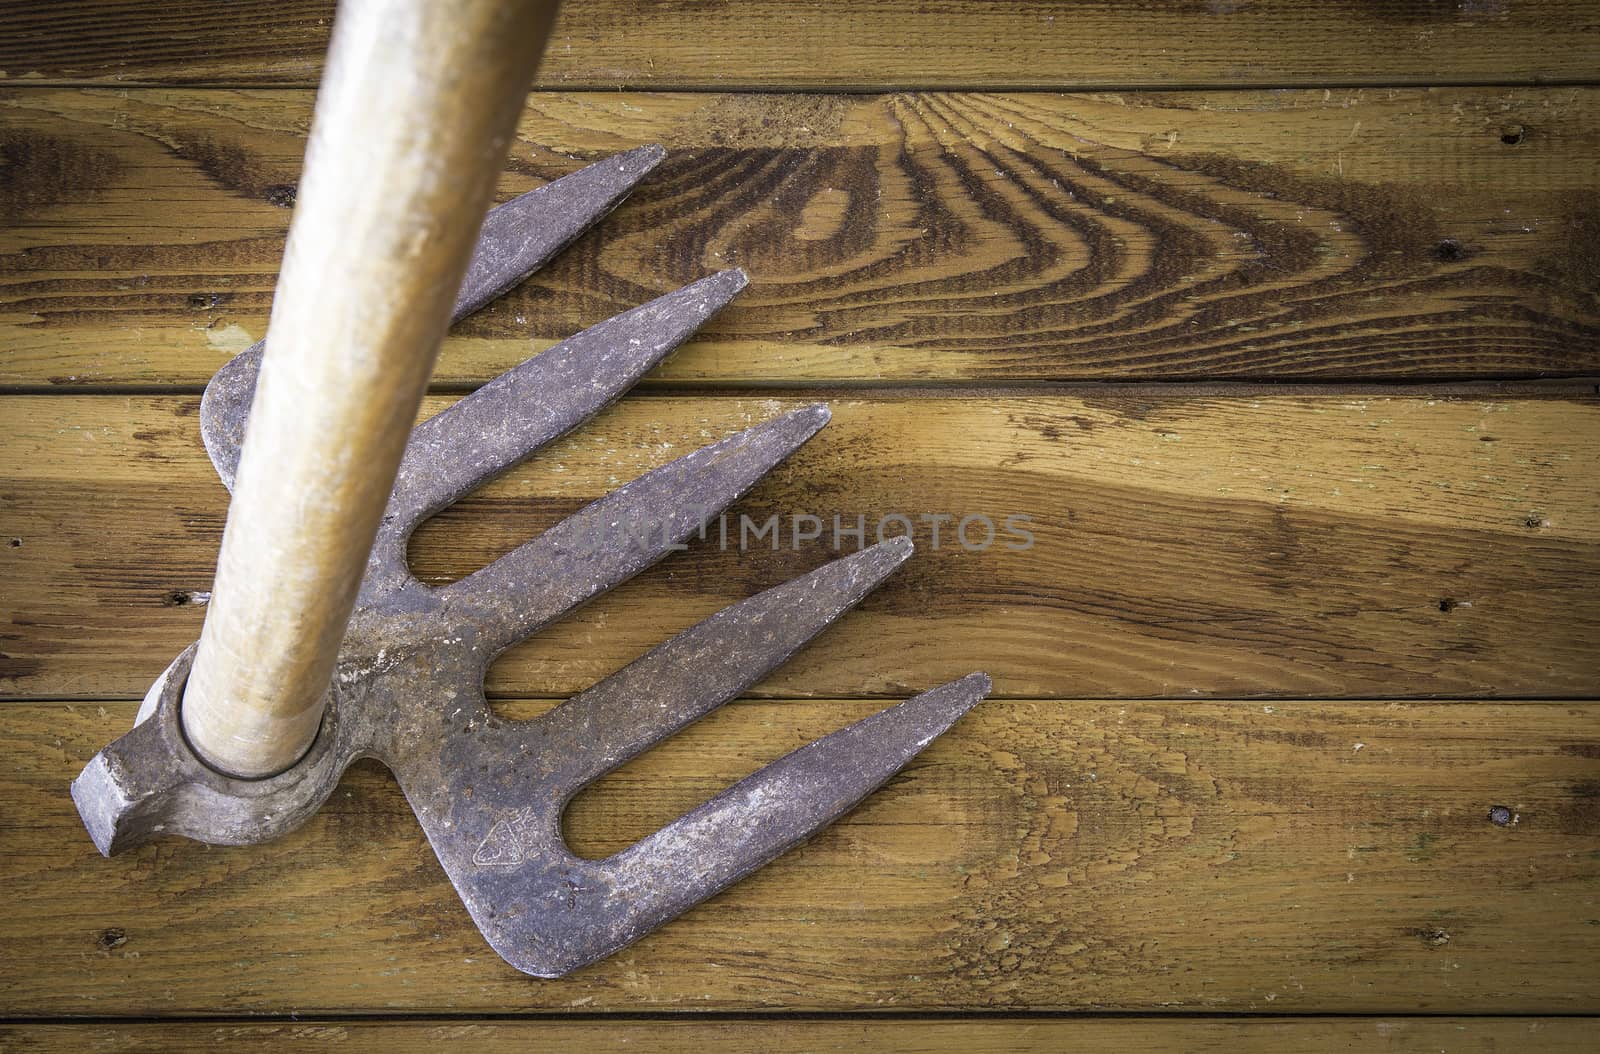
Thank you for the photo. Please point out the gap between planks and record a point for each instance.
(1556, 388)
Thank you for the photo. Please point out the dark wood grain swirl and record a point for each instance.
(1363, 235)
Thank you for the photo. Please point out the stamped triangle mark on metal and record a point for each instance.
(408, 689)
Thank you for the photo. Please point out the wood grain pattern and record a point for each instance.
(1149, 820)
(1184, 545)
(1395, 1035)
(1117, 855)
(872, 44)
(904, 238)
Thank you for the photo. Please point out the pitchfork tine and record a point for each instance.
(530, 405)
(788, 801)
(703, 667)
(517, 239)
(622, 533)
(571, 911)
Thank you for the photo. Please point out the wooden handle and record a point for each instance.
(412, 123)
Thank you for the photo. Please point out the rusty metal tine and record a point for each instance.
(517, 238)
(711, 847)
(788, 801)
(532, 404)
(619, 535)
(703, 667)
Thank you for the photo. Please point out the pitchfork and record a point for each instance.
(320, 647)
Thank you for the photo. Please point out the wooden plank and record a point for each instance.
(1399, 1035)
(1183, 544)
(874, 44)
(1116, 855)
(1333, 235)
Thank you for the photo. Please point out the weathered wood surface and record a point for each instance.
(1106, 851)
(1321, 234)
(1394, 1035)
(1184, 545)
(871, 44)
(1046, 854)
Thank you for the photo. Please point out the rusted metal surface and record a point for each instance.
(408, 687)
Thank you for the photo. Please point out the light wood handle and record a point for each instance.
(416, 111)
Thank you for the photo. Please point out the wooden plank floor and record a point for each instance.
(866, 44)
(1295, 742)
(934, 237)
(1128, 855)
(1420, 1035)
(1183, 546)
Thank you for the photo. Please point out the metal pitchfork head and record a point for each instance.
(408, 688)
